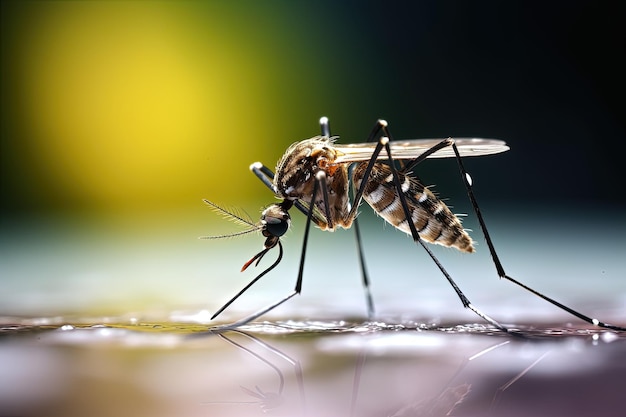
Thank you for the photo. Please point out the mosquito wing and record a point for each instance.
(410, 149)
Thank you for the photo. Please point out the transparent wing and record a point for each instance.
(409, 149)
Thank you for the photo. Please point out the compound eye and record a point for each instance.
(275, 226)
(275, 221)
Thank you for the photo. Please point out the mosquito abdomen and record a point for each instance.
(433, 220)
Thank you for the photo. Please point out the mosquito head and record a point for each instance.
(275, 222)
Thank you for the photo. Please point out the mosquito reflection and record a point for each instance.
(265, 400)
(456, 390)
(489, 377)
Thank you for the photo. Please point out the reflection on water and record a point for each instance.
(132, 367)
(266, 400)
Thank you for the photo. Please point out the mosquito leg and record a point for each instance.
(263, 173)
(258, 277)
(381, 125)
(266, 176)
(246, 320)
(443, 144)
(356, 200)
(496, 260)
(325, 130)
(325, 126)
(466, 302)
(415, 235)
(366, 281)
(320, 178)
(384, 143)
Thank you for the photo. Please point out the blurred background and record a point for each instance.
(119, 117)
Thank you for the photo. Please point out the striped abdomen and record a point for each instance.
(433, 220)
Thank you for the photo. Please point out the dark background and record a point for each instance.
(545, 76)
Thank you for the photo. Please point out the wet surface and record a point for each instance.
(95, 325)
(104, 323)
(128, 366)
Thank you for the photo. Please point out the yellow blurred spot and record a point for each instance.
(124, 101)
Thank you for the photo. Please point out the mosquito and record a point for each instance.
(314, 176)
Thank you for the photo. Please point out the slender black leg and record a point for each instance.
(356, 200)
(405, 207)
(266, 176)
(496, 260)
(498, 265)
(325, 130)
(325, 126)
(263, 173)
(381, 125)
(320, 179)
(410, 165)
(384, 142)
(364, 275)
(258, 277)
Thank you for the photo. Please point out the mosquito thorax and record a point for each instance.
(297, 168)
(298, 171)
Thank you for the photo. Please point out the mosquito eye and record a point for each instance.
(276, 219)
(275, 226)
